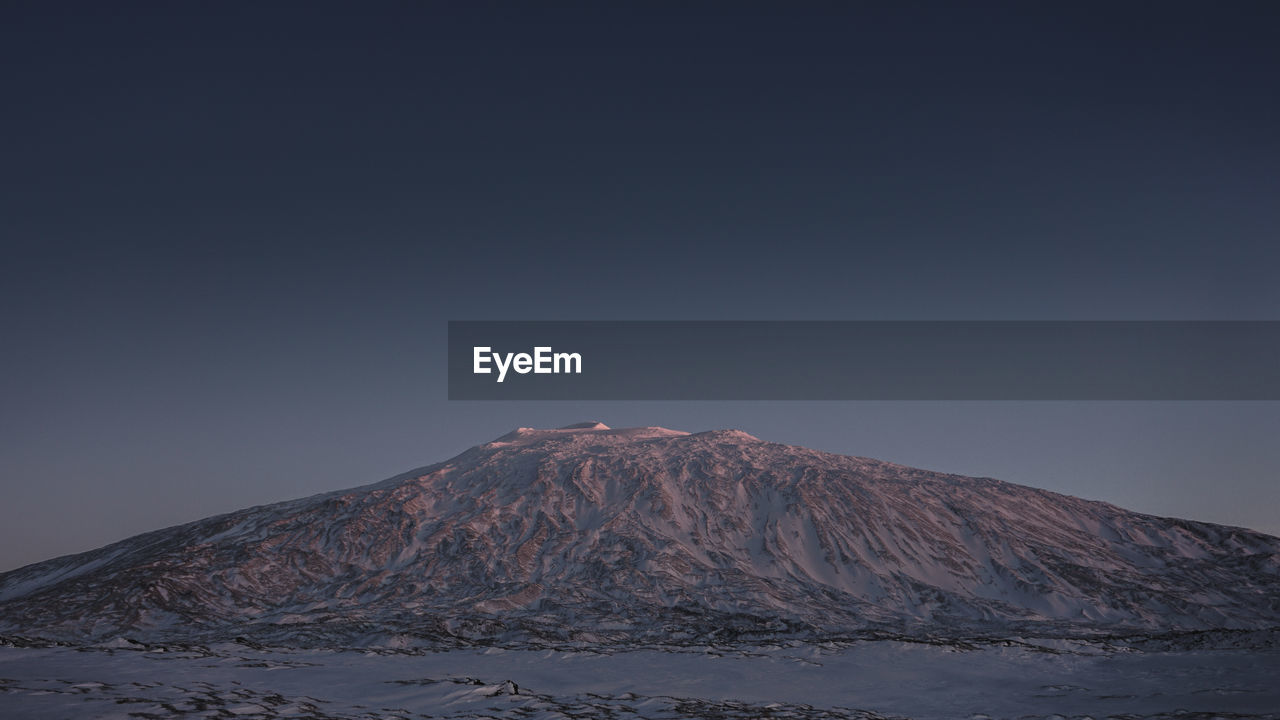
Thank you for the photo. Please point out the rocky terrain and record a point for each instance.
(643, 536)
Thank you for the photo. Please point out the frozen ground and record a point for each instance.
(884, 679)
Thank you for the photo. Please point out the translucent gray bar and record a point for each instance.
(871, 360)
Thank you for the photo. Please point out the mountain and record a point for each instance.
(590, 534)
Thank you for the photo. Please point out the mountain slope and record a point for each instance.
(588, 533)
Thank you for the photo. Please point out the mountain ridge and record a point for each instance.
(648, 534)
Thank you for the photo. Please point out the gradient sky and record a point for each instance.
(233, 232)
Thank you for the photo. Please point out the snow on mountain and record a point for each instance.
(590, 534)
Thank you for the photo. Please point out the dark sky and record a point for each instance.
(233, 232)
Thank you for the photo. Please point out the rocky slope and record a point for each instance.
(588, 534)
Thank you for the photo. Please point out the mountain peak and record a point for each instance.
(594, 429)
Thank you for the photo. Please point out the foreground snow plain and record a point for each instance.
(878, 679)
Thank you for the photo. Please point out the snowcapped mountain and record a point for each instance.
(589, 534)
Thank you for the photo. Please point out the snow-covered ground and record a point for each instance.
(867, 680)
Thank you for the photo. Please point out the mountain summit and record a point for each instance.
(587, 533)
